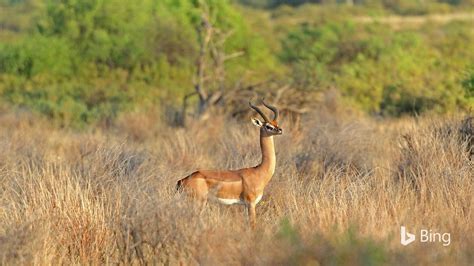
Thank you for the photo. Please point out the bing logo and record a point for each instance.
(424, 236)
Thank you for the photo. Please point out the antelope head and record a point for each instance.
(268, 127)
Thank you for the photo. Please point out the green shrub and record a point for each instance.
(346, 248)
(89, 60)
(38, 55)
(82, 61)
(383, 70)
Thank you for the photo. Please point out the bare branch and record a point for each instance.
(233, 55)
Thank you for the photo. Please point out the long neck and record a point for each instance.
(268, 156)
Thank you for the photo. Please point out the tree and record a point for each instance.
(222, 37)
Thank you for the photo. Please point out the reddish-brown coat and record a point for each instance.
(245, 184)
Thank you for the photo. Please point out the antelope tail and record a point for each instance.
(179, 185)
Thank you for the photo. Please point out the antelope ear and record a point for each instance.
(257, 122)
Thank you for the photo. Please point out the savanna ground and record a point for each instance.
(343, 186)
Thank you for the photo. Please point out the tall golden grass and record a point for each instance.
(342, 188)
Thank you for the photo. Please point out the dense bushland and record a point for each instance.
(403, 7)
(81, 62)
(393, 72)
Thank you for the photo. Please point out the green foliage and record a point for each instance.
(69, 104)
(79, 62)
(382, 70)
(38, 55)
(66, 66)
(468, 83)
(397, 6)
(344, 248)
(109, 32)
(311, 51)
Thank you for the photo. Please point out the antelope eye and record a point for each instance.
(269, 127)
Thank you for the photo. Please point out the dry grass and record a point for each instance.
(341, 191)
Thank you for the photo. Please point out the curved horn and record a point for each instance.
(259, 111)
(273, 108)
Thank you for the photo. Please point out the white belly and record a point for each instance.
(237, 201)
(230, 201)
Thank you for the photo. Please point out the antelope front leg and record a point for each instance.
(252, 214)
